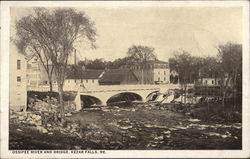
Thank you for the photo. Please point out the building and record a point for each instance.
(118, 77)
(33, 73)
(209, 81)
(37, 77)
(18, 90)
(84, 78)
(152, 72)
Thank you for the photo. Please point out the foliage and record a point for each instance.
(54, 32)
(230, 56)
(141, 54)
(182, 63)
(98, 64)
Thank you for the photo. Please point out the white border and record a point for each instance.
(5, 32)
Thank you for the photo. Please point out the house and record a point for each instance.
(84, 78)
(209, 81)
(17, 85)
(118, 77)
(151, 72)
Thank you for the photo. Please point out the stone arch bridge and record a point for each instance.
(102, 93)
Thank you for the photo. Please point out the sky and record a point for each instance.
(198, 30)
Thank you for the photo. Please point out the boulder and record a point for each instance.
(42, 129)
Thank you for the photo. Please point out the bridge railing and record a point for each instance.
(110, 88)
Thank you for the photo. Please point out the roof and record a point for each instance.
(116, 75)
(158, 62)
(85, 74)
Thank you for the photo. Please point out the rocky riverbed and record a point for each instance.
(138, 127)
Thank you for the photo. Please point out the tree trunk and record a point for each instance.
(62, 112)
(50, 87)
(225, 91)
(223, 98)
(234, 87)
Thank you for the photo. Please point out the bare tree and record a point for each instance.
(54, 32)
(28, 44)
(141, 54)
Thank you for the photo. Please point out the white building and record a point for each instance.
(86, 78)
(33, 73)
(18, 90)
(152, 72)
(209, 81)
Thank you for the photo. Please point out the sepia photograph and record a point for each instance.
(154, 77)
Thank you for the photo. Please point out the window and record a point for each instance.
(164, 78)
(212, 81)
(159, 72)
(205, 81)
(159, 79)
(86, 81)
(19, 64)
(18, 79)
(164, 72)
(93, 81)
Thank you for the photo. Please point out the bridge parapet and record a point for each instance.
(118, 88)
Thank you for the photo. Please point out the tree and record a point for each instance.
(182, 63)
(230, 56)
(96, 64)
(28, 45)
(141, 54)
(210, 67)
(55, 31)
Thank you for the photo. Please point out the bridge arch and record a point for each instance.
(152, 96)
(124, 97)
(88, 100)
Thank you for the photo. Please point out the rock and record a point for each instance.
(21, 117)
(77, 147)
(194, 120)
(168, 136)
(39, 123)
(105, 110)
(42, 129)
(126, 127)
(224, 136)
(48, 125)
(50, 133)
(68, 114)
(159, 138)
(166, 132)
(19, 130)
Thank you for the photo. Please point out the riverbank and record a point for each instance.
(140, 127)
